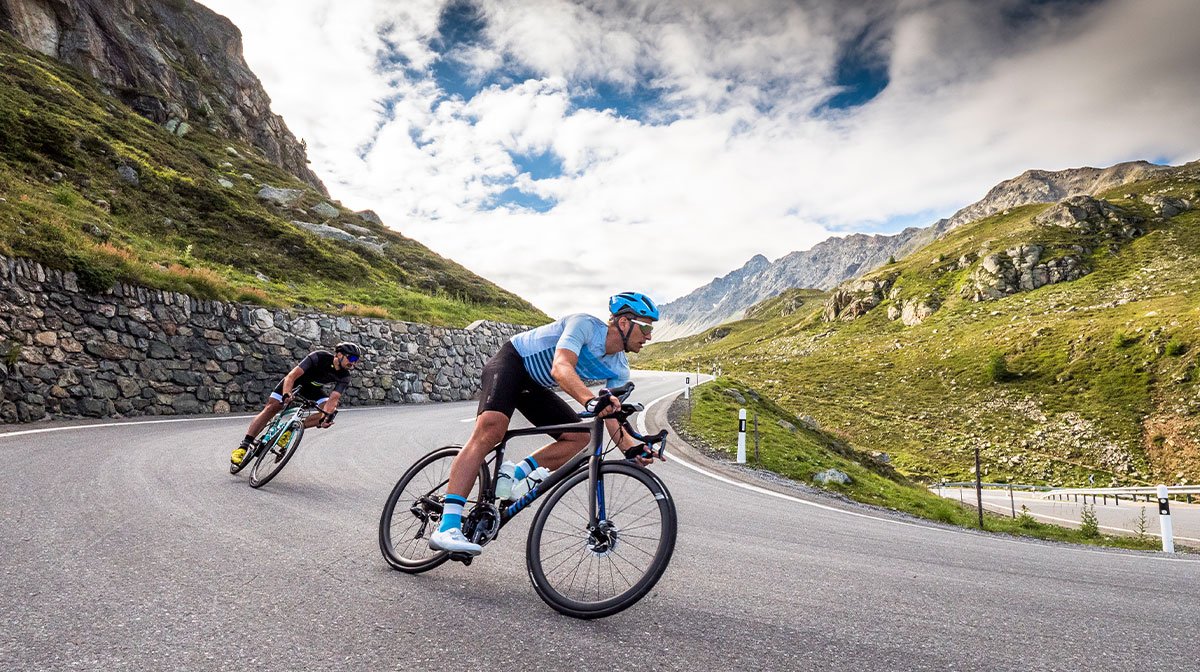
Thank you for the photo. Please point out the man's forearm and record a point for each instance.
(572, 384)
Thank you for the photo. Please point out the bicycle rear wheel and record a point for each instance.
(413, 511)
(273, 456)
(589, 573)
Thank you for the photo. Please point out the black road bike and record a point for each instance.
(277, 442)
(600, 541)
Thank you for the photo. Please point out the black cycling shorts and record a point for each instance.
(507, 386)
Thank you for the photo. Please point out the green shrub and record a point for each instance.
(997, 369)
(64, 195)
(1175, 347)
(96, 276)
(1123, 339)
(1026, 519)
(13, 354)
(1140, 524)
(1089, 525)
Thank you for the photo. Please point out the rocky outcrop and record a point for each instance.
(855, 299)
(137, 351)
(1167, 206)
(176, 62)
(334, 233)
(912, 311)
(1040, 186)
(832, 262)
(1091, 216)
(1022, 268)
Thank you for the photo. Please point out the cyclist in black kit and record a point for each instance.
(308, 380)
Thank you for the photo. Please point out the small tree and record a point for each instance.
(1026, 519)
(997, 368)
(1140, 524)
(1089, 525)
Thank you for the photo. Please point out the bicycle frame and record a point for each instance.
(593, 454)
(293, 411)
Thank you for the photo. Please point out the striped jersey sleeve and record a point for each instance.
(582, 334)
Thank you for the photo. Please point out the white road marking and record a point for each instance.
(45, 430)
(213, 418)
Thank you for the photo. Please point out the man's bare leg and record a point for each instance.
(264, 416)
(490, 427)
(554, 455)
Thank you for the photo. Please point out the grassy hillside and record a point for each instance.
(795, 448)
(1097, 375)
(169, 222)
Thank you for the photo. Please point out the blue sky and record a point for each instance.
(546, 143)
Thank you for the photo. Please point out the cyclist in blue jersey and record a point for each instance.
(522, 377)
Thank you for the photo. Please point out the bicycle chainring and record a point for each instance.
(482, 524)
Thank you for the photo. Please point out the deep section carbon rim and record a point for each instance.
(273, 457)
(413, 512)
(589, 573)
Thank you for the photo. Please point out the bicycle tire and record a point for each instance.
(281, 454)
(404, 539)
(253, 453)
(632, 494)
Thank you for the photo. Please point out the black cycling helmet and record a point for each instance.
(349, 349)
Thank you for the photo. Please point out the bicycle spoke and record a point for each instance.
(595, 568)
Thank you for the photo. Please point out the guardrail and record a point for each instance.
(998, 486)
(1181, 493)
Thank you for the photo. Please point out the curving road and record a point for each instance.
(131, 547)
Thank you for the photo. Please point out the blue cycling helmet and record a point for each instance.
(633, 302)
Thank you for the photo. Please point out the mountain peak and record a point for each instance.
(833, 261)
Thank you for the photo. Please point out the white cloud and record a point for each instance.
(733, 160)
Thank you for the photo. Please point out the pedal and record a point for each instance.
(464, 558)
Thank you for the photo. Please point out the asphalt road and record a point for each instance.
(131, 547)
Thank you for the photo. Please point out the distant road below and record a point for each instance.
(1114, 518)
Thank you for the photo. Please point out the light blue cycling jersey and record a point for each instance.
(580, 333)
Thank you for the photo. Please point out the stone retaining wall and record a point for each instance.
(138, 351)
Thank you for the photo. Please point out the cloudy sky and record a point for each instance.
(570, 149)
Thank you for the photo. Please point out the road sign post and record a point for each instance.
(1164, 520)
(978, 487)
(741, 446)
(687, 387)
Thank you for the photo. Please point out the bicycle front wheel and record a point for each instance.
(589, 572)
(413, 511)
(272, 457)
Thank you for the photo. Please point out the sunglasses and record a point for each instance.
(350, 358)
(646, 327)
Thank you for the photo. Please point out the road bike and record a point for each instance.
(599, 542)
(278, 441)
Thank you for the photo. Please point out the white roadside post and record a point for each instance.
(687, 387)
(741, 455)
(1164, 520)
